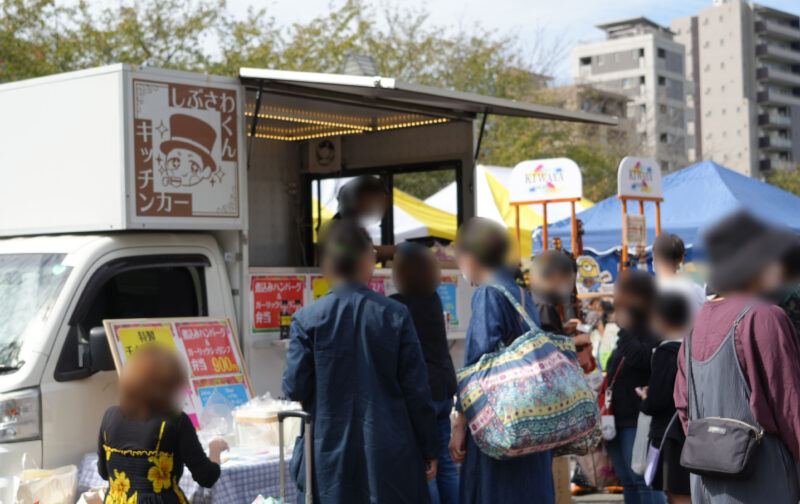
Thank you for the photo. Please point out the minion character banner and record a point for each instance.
(592, 277)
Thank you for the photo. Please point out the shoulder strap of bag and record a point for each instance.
(520, 308)
(688, 357)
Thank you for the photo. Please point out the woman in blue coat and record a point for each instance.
(482, 247)
(356, 365)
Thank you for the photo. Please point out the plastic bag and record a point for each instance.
(597, 468)
(257, 422)
(641, 444)
(55, 486)
(93, 496)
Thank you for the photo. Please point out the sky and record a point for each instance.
(572, 19)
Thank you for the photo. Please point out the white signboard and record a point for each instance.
(545, 180)
(639, 178)
(635, 230)
(186, 150)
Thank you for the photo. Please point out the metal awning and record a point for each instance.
(394, 94)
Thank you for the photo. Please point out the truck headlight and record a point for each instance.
(20, 415)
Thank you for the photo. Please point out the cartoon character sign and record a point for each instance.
(187, 153)
(590, 278)
(185, 150)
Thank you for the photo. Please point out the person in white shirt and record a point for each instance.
(668, 254)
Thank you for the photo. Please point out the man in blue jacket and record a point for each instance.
(356, 365)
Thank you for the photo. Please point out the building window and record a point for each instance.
(724, 134)
(600, 60)
(586, 60)
(663, 138)
(707, 68)
(662, 109)
(662, 53)
(662, 81)
(707, 44)
(721, 42)
(641, 53)
(723, 110)
(722, 64)
(641, 79)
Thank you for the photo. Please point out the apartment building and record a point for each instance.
(641, 59)
(744, 63)
(590, 98)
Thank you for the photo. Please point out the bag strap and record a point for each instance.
(520, 308)
(690, 377)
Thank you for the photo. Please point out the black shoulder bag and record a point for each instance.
(715, 446)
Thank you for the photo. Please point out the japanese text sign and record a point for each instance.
(185, 150)
(206, 345)
(268, 296)
(545, 180)
(639, 178)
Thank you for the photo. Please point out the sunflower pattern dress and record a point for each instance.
(143, 460)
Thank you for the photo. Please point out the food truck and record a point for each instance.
(136, 192)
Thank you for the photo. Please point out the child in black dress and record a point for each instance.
(146, 440)
(671, 320)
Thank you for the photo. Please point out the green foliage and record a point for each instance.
(786, 179)
(40, 37)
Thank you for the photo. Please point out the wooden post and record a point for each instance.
(519, 241)
(658, 218)
(574, 231)
(641, 207)
(544, 225)
(624, 257)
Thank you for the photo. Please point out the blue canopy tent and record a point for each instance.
(693, 198)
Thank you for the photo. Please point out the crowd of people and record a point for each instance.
(376, 374)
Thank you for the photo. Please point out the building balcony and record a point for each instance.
(778, 76)
(774, 164)
(773, 98)
(784, 55)
(776, 30)
(774, 121)
(774, 143)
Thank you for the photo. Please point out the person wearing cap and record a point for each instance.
(356, 365)
(416, 274)
(482, 247)
(744, 361)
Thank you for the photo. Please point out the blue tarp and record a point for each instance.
(693, 198)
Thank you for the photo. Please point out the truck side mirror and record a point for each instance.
(101, 359)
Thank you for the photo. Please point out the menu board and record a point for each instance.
(207, 345)
(447, 293)
(268, 295)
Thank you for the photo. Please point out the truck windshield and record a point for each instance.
(29, 285)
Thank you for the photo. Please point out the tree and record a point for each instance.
(787, 179)
(39, 37)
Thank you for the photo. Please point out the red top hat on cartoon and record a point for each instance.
(196, 135)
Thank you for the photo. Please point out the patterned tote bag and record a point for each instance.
(529, 396)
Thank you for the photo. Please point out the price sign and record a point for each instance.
(209, 348)
(268, 296)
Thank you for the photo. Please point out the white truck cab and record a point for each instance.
(54, 290)
(132, 192)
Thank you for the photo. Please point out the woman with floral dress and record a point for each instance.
(146, 440)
